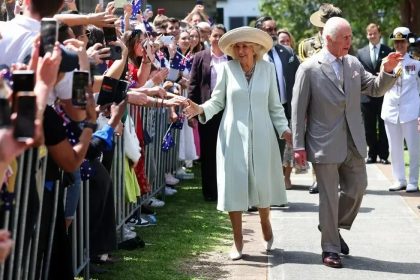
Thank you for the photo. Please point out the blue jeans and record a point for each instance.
(72, 197)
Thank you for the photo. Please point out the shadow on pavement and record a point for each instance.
(309, 207)
(349, 262)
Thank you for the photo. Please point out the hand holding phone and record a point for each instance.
(148, 50)
(49, 35)
(111, 36)
(24, 104)
(79, 88)
(107, 92)
(167, 40)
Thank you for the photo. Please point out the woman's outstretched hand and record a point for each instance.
(192, 109)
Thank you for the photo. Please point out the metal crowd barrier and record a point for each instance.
(23, 219)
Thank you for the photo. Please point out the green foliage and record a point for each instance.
(294, 15)
(187, 226)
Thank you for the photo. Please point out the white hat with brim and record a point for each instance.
(317, 19)
(244, 34)
(400, 33)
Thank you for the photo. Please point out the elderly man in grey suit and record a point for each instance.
(328, 130)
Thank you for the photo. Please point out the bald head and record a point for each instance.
(337, 36)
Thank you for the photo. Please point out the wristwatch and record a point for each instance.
(90, 125)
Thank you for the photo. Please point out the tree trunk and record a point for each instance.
(410, 15)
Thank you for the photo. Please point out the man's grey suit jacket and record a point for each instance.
(321, 108)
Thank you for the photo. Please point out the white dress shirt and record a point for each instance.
(215, 64)
(18, 38)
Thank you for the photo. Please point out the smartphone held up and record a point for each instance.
(79, 88)
(111, 36)
(49, 35)
(24, 104)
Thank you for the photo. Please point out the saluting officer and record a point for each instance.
(311, 46)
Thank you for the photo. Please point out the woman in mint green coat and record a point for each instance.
(248, 157)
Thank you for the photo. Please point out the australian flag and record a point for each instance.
(181, 62)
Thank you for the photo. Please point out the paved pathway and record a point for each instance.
(384, 241)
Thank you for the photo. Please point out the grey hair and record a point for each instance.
(258, 50)
(333, 26)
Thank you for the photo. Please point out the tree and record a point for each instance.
(294, 15)
(410, 15)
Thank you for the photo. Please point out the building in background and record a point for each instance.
(236, 13)
(232, 13)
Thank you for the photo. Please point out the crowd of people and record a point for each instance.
(248, 106)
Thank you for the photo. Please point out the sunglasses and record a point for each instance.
(271, 29)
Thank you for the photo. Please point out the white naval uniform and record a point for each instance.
(400, 110)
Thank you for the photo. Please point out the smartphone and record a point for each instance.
(22, 81)
(115, 52)
(5, 113)
(24, 104)
(24, 125)
(107, 92)
(149, 52)
(119, 3)
(121, 91)
(109, 34)
(80, 84)
(167, 40)
(49, 35)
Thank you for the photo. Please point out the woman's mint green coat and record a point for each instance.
(249, 166)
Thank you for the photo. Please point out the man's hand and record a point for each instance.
(287, 136)
(391, 61)
(300, 157)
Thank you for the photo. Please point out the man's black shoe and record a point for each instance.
(370, 160)
(345, 250)
(384, 161)
(314, 188)
(331, 260)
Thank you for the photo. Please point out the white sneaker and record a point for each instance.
(170, 191)
(412, 188)
(154, 202)
(142, 223)
(128, 234)
(170, 179)
(183, 175)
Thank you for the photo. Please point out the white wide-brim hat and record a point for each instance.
(244, 34)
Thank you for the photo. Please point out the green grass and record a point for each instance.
(187, 226)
